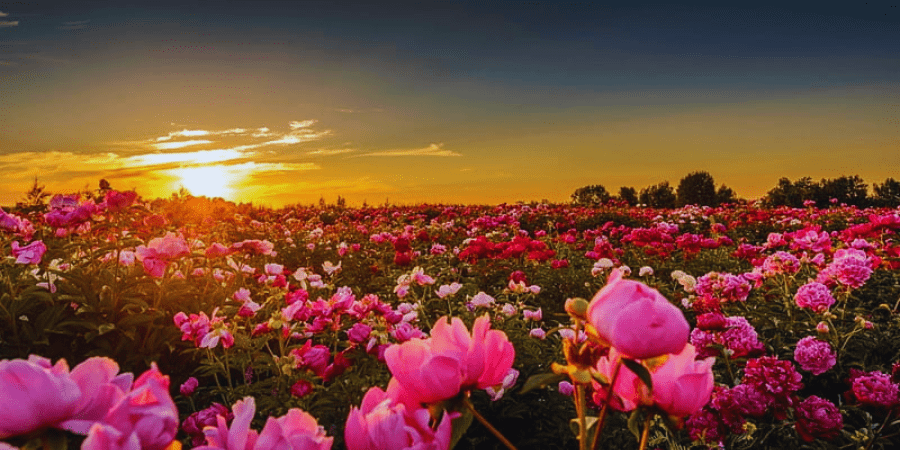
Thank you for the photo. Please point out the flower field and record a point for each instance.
(191, 323)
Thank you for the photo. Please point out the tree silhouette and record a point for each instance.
(697, 188)
(658, 196)
(628, 195)
(887, 194)
(590, 195)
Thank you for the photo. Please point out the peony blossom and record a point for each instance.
(383, 423)
(636, 319)
(148, 411)
(105, 437)
(438, 368)
(43, 395)
(102, 387)
(29, 254)
(814, 355)
(818, 418)
(815, 296)
(296, 430)
(681, 384)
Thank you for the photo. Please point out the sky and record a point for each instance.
(280, 103)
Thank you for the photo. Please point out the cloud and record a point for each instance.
(304, 124)
(179, 144)
(75, 25)
(330, 152)
(431, 150)
(8, 23)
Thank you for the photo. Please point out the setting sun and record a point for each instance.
(207, 181)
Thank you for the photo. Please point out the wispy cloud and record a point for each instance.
(195, 157)
(179, 144)
(431, 150)
(304, 124)
(8, 23)
(74, 25)
(330, 152)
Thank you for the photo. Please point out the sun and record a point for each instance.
(207, 181)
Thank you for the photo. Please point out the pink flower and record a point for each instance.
(452, 360)
(301, 388)
(818, 418)
(482, 299)
(105, 437)
(814, 355)
(42, 394)
(536, 316)
(850, 267)
(147, 410)
(781, 263)
(815, 296)
(383, 423)
(296, 430)
(448, 289)
(636, 319)
(117, 201)
(29, 254)
(217, 250)
(102, 387)
(681, 385)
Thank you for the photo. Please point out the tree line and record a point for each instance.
(699, 188)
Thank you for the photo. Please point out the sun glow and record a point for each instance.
(208, 181)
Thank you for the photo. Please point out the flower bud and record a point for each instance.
(577, 308)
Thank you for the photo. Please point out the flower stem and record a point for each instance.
(646, 433)
(609, 393)
(582, 423)
(487, 425)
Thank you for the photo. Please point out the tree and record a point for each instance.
(628, 195)
(697, 188)
(850, 190)
(590, 195)
(793, 194)
(887, 194)
(725, 195)
(659, 196)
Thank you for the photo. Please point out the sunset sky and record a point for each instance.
(452, 102)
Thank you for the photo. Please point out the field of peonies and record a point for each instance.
(193, 323)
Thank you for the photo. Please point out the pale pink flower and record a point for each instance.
(29, 254)
(448, 289)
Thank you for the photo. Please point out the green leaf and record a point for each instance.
(105, 328)
(460, 425)
(640, 371)
(591, 424)
(541, 380)
(635, 422)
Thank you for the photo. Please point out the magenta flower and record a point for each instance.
(815, 296)
(875, 389)
(383, 423)
(781, 263)
(196, 422)
(738, 337)
(775, 379)
(29, 254)
(818, 418)
(452, 360)
(636, 319)
(850, 267)
(161, 251)
(814, 355)
(43, 395)
(188, 387)
(117, 201)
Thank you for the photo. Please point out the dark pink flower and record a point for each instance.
(189, 386)
(818, 418)
(875, 389)
(196, 422)
(147, 410)
(102, 387)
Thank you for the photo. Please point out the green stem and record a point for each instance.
(582, 422)
(880, 429)
(487, 425)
